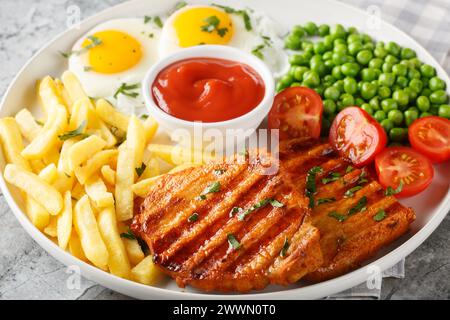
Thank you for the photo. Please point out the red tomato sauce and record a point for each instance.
(208, 89)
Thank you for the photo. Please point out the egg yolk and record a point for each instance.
(203, 25)
(117, 52)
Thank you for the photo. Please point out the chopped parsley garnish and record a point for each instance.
(193, 217)
(233, 242)
(212, 188)
(87, 68)
(381, 214)
(243, 13)
(202, 197)
(360, 206)
(128, 90)
(349, 169)
(219, 172)
(128, 235)
(157, 20)
(311, 187)
(325, 200)
(391, 191)
(339, 217)
(260, 204)
(276, 203)
(332, 177)
(178, 6)
(94, 43)
(285, 248)
(147, 19)
(141, 169)
(257, 51)
(362, 178)
(144, 116)
(234, 211)
(39, 122)
(212, 24)
(78, 132)
(351, 192)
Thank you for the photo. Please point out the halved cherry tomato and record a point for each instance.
(357, 136)
(431, 137)
(414, 170)
(297, 113)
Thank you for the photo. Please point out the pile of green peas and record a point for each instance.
(348, 68)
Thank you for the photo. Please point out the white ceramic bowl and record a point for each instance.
(249, 121)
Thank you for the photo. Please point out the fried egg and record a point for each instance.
(243, 29)
(111, 60)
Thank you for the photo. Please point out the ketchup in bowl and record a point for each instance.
(208, 89)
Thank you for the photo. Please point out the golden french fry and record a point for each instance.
(52, 156)
(87, 229)
(183, 166)
(134, 251)
(62, 92)
(177, 155)
(49, 173)
(63, 162)
(75, 248)
(94, 164)
(27, 124)
(48, 138)
(118, 262)
(96, 190)
(82, 150)
(12, 142)
(37, 188)
(109, 175)
(63, 182)
(111, 116)
(49, 94)
(37, 165)
(151, 169)
(73, 86)
(136, 139)
(80, 114)
(77, 191)
(50, 229)
(37, 214)
(151, 126)
(141, 188)
(64, 222)
(146, 272)
(124, 181)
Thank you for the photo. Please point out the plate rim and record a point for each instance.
(129, 287)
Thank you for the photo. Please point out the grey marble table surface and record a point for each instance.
(28, 272)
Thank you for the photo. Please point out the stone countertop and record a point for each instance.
(28, 272)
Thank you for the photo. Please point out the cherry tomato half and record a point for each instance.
(414, 170)
(357, 136)
(431, 137)
(297, 113)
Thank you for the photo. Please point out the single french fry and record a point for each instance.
(78, 191)
(151, 170)
(124, 181)
(111, 116)
(87, 229)
(49, 173)
(183, 166)
(49, 94)
(63, 162)
(134, 251)
(82, 150)
(136, 139)
(63, 182)
(52, 156)
(37, 188)
(73, 86)
(37, 165)
(177, 155)
(141, 188)
(150, 126)
(80, 114)
(118, 262)
(50, 229)
(12, 143)
(37, 214)
(48, 138)
(62, 92)
(96, 190)
(75, 248)
(27, 124)
(109, 175)
(146, 272)
(94, 164)
(64, 222)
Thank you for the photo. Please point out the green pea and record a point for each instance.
(426, 92)
(425, 82)
(414, 74)
(332, 93)
(391, 59)
(379, 115)
(416, 85)
(340, 85)
(364, 57)
(281, 86)
(350, 85)
(427, 71)
(407, 64)
(368, 90)
(329, 106)
(438, 97)
(380, 52)
(339, 59)
(296, 84)
(298, 60)
(327, 55)
(311, 28)
(298, 31)
(375, 103)
(366, 107)
(387, 67)
(369, 46)
(401, 97)
(423, 103)
(328, 42)
(411, 92)
(338, 32)
(287, 79)
(366, 38)
(329, 65)
(410, 116)
(354, 38)
(376, 63)
(347, 100)
(387, 124)
(339, 41)
(337, 73)
(389, 104)
(398, 134)
(368, 74)
(307, 45)
(311, 79)
(328, 80)
(293, 42)
(350, 69)
(396, 116)
(354, 47)
(415, 62)
(408, 53)
(436, 83)
(393, 48)
(425, 114)
(340, 48)
(318, 66)
(402, 82)
(386, 79)
(319, 47)
(384, 92)
(299, 72)
(399, 70)
(359, 101)
(444, 111)
(352, 30)
(324, 30)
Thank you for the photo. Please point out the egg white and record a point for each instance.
(98, 85)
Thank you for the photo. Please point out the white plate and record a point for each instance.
(431, 206)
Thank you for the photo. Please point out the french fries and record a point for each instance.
(124, 181)
(64, 222)
(37, 214)
(49, 94)
(136, 140)
(82, 150)
(75, 248)
(97, 192)
(27, 124)
(112, 117)
(87, 229)
(12, 142)
(146, 272)
(95, 163)
(109, 175)
(134, 251)
(177, 155)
